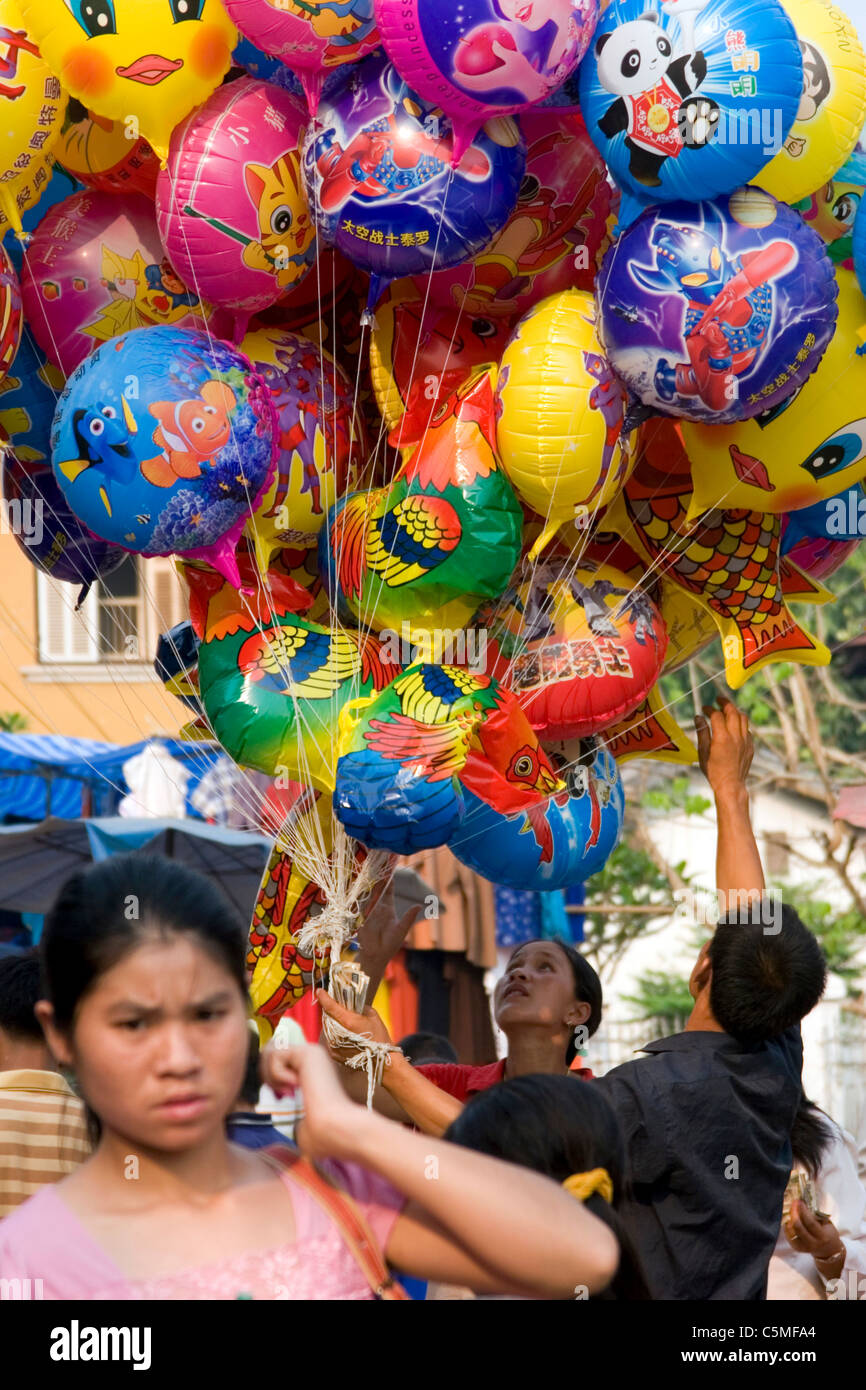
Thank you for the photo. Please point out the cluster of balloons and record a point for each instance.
(606, 413)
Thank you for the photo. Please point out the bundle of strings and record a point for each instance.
(346, 885)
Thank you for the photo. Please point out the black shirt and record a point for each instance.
(707, 1125)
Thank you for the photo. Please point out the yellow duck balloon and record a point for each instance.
(34, 105)
(561, 415)
(832, 104)
(146, 63)
(809, 448)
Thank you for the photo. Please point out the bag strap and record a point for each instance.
(345, 1215)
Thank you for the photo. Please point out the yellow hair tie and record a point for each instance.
(583, 1185)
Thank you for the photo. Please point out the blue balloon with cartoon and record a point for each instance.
(717, 311)
(858, 246)
(377, 166)
(163, 442)
(689, 98)
(555, 845)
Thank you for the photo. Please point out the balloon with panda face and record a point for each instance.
(689, 98)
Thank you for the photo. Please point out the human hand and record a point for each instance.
(368, 1022)
(725, 747)
(806, 1233)
(381, 934)
(329, 1115)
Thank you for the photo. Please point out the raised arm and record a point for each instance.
(726, 750)
(404, 1095)
(470, 1219)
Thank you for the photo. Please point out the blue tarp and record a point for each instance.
(45, 775)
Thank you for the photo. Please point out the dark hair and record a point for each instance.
(251, 1086)
(587, 986)
(106, 911)
(427, 1047)
(20, 988)
(811, 1136)
(557, 1125)
(763, 984)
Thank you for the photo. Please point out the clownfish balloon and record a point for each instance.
(146, 63)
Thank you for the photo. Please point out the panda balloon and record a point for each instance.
(655, 102)
(689, 98)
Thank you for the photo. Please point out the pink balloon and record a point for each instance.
(484, 58)
(231, 205)
(96, 268)
(310, 39)
(553, 239)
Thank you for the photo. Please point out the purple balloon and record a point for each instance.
(717, 311)
(47, 529)
(377, 164)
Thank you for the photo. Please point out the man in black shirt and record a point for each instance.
(707, 1115)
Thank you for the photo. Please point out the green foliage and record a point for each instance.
(12, 723)
(841, 934)
(661, 994)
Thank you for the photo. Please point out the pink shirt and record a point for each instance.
(44, 1240)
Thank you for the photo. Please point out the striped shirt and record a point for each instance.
(43, 1134)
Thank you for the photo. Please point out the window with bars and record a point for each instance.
(120, 620)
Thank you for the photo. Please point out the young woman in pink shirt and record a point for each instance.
(146, 1001)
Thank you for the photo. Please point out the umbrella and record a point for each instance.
(36, 860)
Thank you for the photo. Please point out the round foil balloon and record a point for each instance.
(581, 646)
(485, 58)
(420, 355)
(689, 98)
(818, 539)
(377, 167)
(318, 442)
(27, 403)
(858, 246)
(802, 451)
(96, 268)
(143, 61)
(11, 314)
(832, 105)
(100, 153)
(831, 212)
(50, 534)
(231, 206)
(33, 109)
(562, 434)
(311, 38)
(717, 311)
(163, 441)
(554, 238)
(557, 844)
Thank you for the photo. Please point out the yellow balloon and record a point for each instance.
(27, 193)
(313, 399)
(561, 413)
(34, 105)
(812, 447)
(146, 63)
(832, 104)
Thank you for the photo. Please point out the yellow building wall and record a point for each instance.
(121, 702)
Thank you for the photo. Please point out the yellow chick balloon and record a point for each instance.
(34, 105)
(832, 103)
(146, 63)
(561, 415)
(810, 447)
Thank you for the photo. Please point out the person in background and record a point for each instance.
(43, 1125)
(427, 1049)
(151, 1014)
(245, 1124)
(547, 1003)
(707, 1114)
(817, 1252)
(569, 1133)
